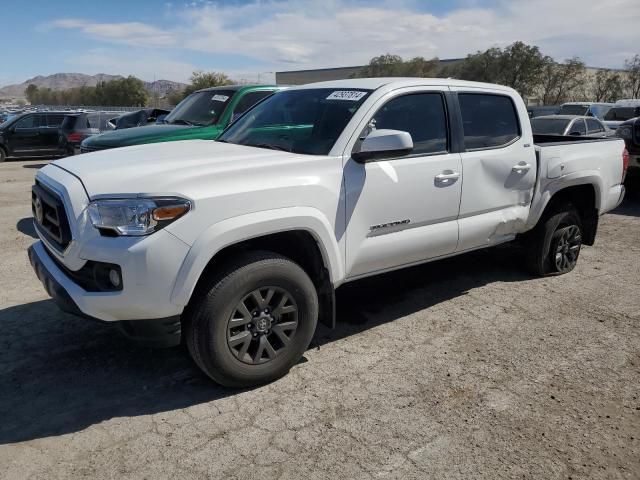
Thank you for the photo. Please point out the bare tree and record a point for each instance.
(560, 81)
(607, 86)
(632, 84)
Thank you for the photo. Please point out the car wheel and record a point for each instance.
(3, 155)
(553, 246)
(250, 323)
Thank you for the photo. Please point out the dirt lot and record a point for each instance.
(464, 368)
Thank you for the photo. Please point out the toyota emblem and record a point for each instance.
(37, 206)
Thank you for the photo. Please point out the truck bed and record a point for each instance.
(566, 158)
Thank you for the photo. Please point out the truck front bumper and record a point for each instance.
(72, 299)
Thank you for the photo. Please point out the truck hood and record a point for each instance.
(184, 168)
(149, 134)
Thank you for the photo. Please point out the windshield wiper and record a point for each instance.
(270, 146)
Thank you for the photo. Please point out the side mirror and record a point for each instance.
(384, 142)
(575, 133)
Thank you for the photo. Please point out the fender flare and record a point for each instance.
(543, 198)
(245, 227)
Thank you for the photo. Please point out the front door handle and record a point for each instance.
(521, 168)
(448, 177)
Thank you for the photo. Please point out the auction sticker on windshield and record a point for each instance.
(350, 95)
(220, 98)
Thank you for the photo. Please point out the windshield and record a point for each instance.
(307, 121)
(574, 110)
(549, 126)
(201, 108)
(622, 113)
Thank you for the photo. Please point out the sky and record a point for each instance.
(250, 40)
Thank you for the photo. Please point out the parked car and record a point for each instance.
(80, 125)
(31, 135)
(202, 115)
(570, 125)
(585, 109)
(622, 111)
(240, 243)
(139, 118)
(541, 110)
(629, 131)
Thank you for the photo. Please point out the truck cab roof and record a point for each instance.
(401, 82)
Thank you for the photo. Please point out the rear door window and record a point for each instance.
(593, 126)
(489, 121)
(54, 120)
(578, 127)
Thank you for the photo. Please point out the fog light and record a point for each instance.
(114, 277)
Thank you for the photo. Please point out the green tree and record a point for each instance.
(607, 86)
(519, 66)
(174, 97)
(31, 93)
(560, 82)
(394, 66)
(632, 83)
(200, 80)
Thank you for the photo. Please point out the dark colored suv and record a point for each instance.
(33, 134)
(78, 126)
(630, 132)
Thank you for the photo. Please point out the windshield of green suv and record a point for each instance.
(200, 108)
(307, 121)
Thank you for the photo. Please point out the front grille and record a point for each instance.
(50, 216)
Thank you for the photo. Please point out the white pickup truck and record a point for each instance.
(238, 245)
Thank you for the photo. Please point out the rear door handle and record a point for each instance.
(521, 168)
(447, 178)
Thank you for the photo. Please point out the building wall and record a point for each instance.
(300, 77)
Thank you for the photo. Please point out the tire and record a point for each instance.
(3, 155)
(553, 247)
(229, 342)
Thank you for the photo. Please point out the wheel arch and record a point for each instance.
(301, 234)
(585, 195)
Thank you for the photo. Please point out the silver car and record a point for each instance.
(570, 125)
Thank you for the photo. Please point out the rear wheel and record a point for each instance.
(553, 247)
(253, 321)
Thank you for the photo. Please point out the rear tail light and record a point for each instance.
(74, 137)
(625, 163)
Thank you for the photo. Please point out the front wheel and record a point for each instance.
(553, 247)
(251, 322)
(3, 155)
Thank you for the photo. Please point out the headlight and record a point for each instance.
(136, 216)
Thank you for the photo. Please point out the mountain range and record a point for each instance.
(64, 81)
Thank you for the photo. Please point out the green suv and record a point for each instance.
(202, 115)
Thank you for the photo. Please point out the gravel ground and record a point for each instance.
(463, 368)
